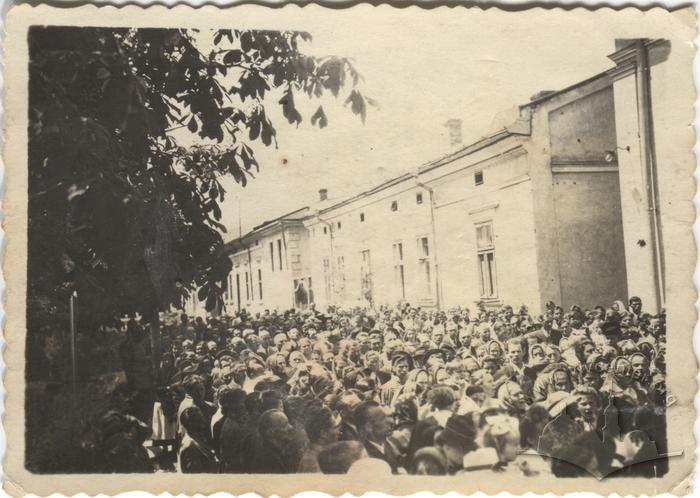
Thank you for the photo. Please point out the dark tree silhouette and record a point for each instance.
(119, 211)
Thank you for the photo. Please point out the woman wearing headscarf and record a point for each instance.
(619, 383)
(511, 398)
(495, 350)
(553, 378)
(415, 388)
(536, 362)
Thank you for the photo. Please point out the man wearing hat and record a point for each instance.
(401, 364)
(433, 359)
(456, 440)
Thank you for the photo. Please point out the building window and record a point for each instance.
(327, 278)
(260, 283)
(424, 264)
(257, 242)
(238, 291)
(339, 226)
(325, 230)
(486, 257)
(419, 198)
(366, 277)
(279, 251)
(399, 276)
(229, 287)
(272, 256)
(340, 280)
(362, 217)
(394, 205)
(247, 286)
(479, 177)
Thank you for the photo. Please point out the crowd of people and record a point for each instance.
(403, 390)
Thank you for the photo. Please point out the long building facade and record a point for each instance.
(565, 204)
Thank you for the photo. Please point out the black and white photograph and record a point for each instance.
(370, 244)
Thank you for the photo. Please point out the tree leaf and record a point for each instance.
(192, 125)
(288, 109)
(319, 117)
(232, 57)
(357, 104)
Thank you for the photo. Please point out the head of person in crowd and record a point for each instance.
(442, 398)
(586, 408)
(376, 341)
(552, 353)
(429, 461)
(277, 364)
(490, 364)
(372, 361)
(621, 372)
(640, 368)
(194, 387)
(561, 379)
(372, 421)
(456, 440)
(511, 398)
(635, 305)
(279, 340)
(232, 402)
(271, 400)
(502, 433)
(297, 360)
(401, 365)
(265, 338)
(514, 352)
(537, 355)
(274, 427)
(322, 425)
(345, 403)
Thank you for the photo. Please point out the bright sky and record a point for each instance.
(422, 70)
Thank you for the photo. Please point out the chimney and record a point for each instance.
(322, 194)
(455, 129)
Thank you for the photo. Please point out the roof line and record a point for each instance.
(279, 218)
(556, 93)
(377, 188)
(464, 151)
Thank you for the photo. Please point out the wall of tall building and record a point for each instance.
(556, 207)
(375, 248)
(485, 228)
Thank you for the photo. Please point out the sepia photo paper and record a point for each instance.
(276, 250)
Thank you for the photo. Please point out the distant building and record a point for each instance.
(269, 270)
(564, 205)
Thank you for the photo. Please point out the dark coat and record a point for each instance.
(231, 445)
(272, 459)
(196, 459)
(374, 452)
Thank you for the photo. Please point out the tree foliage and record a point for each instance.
(118, 209)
